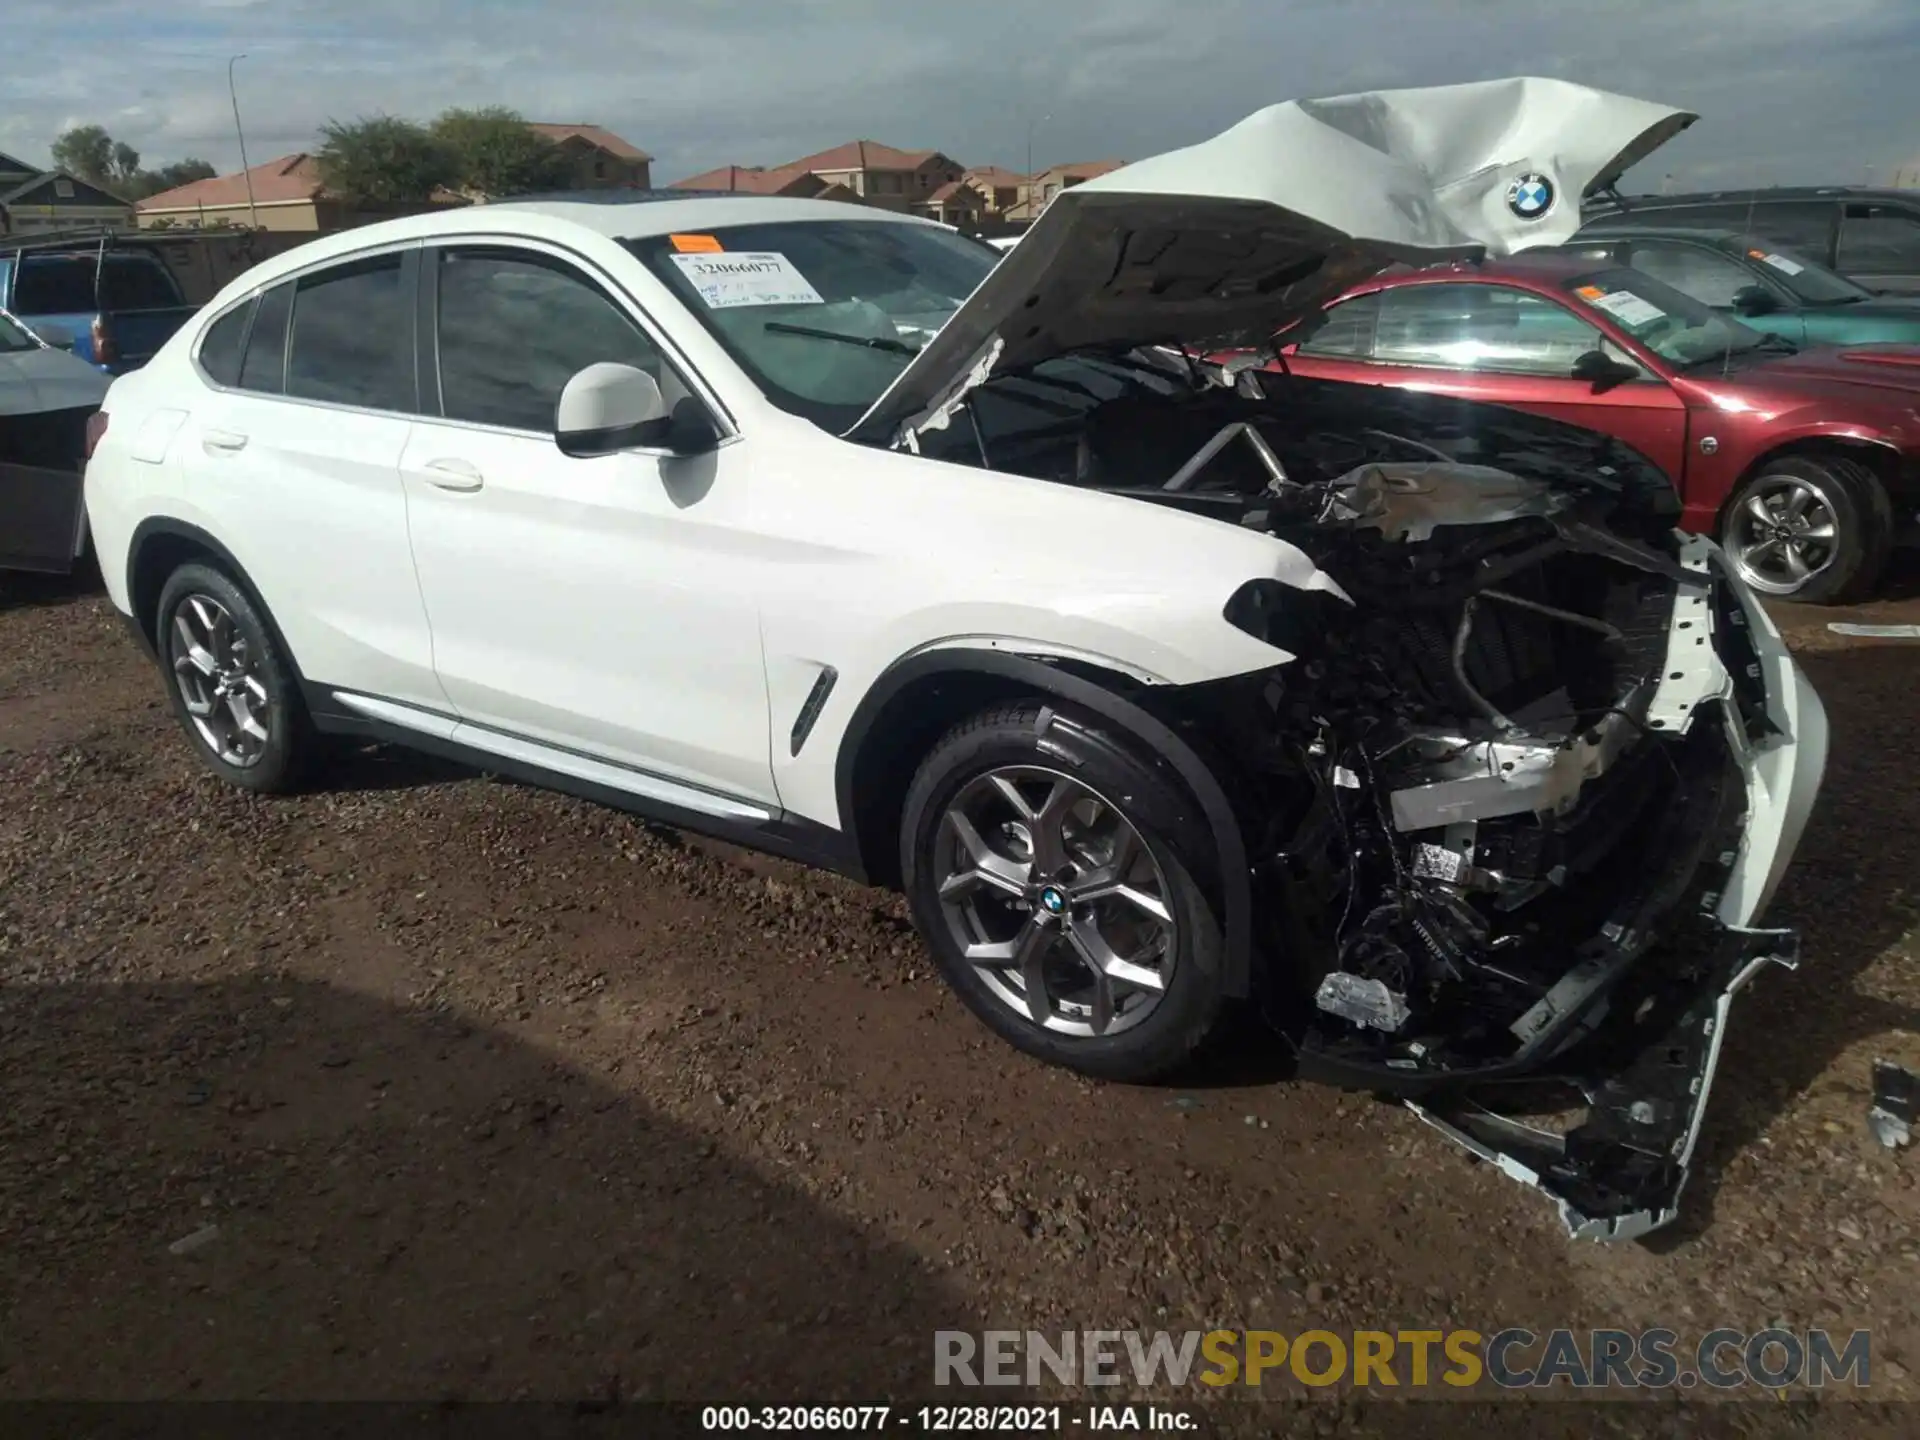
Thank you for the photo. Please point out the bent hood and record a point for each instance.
(1228, 241)
(35, 381)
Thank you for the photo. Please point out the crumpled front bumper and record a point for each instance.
(1620, 1174)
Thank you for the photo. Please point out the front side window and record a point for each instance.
(822, 314)
(1709, 277)
(515, 326)
(1811, 282)
(352, 337)
(1674, 326)
(1494, 328)
(1346, 333)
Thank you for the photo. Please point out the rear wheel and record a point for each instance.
(1811, 528)
(1049, 864)
(232, 691)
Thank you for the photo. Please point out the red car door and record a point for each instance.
(1501, 344)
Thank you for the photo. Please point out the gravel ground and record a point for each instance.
(424, 1085)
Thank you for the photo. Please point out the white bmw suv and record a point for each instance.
(1155, 681)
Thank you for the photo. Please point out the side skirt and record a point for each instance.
(746, 823)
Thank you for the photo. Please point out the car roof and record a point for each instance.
(618, 215)
(1527, 265)
(1661, 232)
(1768, 192)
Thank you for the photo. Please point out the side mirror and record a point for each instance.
(58, 336)
(689, 430)
(1602, 370)
(605, 408)
(1754, 300)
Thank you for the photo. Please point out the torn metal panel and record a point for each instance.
(1410, 501)
(1620, 1174)
(1486, 779)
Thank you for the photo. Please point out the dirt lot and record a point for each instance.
(457, 1089)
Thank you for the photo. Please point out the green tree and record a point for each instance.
(383, 160)
(86, 151)
(494, 152)
(125, 163)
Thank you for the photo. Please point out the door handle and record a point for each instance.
(453, 475)
(222, 442)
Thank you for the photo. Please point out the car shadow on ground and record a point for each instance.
(1788, 1029)
(22, 589)
(274, 1189)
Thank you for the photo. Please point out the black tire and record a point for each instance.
(288, 750)
(1862, 521)
(1137, 787)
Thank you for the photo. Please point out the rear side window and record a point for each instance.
(137, 282)
(265, 368)
(1879, 240)
(352, 340)
(225, 343)
(515, 327)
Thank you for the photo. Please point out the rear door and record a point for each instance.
(1501, 345)
(293, 454)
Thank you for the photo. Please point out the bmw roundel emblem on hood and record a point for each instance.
(1530, 196)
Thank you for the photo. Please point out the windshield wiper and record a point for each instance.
(870, 342)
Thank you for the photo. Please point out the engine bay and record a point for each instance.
(1488, 835)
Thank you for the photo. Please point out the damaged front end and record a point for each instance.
(1532, 771)
(1512, 801)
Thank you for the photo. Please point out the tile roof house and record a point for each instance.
(766, 180)
(601, 159)
(1046, 184)
(881, 174)
(282, 194)
(288, 194)
(999, 190)
(33, 201)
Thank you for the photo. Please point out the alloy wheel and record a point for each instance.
(1783, 534)
(1054, 898)
(216, 671)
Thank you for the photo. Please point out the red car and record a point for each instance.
(1798, 460)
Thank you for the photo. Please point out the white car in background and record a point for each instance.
(47, 398)
(1155, 684)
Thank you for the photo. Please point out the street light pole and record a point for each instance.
(253, 212)
(1032, 215)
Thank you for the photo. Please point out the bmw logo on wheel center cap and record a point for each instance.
(1530, 196)
(1052, 901)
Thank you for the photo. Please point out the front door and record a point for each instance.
(603, 606)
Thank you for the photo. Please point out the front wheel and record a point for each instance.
(1050, 867)
(1812, 528)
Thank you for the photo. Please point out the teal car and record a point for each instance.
(1768, 287)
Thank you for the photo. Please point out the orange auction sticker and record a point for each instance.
(696, 244)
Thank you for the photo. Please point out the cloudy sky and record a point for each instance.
(1790, 90)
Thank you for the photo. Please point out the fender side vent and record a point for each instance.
(810, 711)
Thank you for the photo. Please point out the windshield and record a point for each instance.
(1676, 327)
(822, 314)
(1811, 282)
(14, 336)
